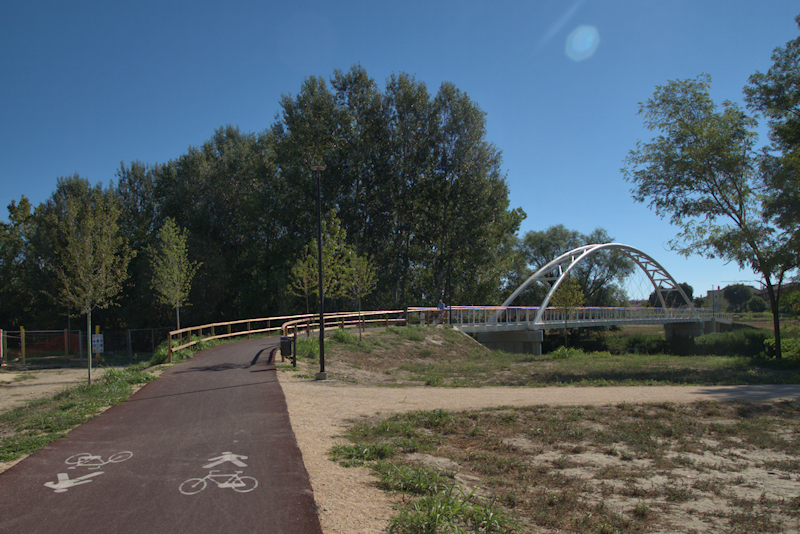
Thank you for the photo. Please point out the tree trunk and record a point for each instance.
(89, 342)
(776, 317)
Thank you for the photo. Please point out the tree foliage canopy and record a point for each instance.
(701, 171)
(776, 95)
(413, 181)
(599, 276)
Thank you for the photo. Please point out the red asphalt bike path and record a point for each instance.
(206, 448)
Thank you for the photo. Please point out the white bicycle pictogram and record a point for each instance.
(233, 481)
(92, 461)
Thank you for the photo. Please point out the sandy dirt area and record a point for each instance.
(20, 386)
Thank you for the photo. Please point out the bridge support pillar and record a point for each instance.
(683, 330)
(516, 341)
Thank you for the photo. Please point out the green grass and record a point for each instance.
(43, 421)
(444, 357)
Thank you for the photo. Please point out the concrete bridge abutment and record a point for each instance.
(515, 341)
(684, 330)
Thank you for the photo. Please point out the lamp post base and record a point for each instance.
(322, 376)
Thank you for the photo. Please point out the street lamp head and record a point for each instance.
(318, 167)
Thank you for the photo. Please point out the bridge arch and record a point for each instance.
(557, 270)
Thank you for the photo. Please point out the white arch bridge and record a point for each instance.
(520, 329)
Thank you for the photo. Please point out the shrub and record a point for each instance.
(562, 353)
(343, 336)
(749, 343)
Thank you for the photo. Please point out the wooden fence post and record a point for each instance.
(22, 343)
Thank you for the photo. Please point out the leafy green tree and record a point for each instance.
(672, 298)
(15, 293)
(359, 278)
(140, 220)
(738, 296)
(776, 95)
(172, 270)
(567, 297)
(305, 275)
(401, 248)
(757, 305)
(793, 302)
(224, 193)
(413, 179)
(700, 171)
(335, 263)
(90, 256)
(600, 276)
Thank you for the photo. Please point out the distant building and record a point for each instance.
(785, 287)
(715, 300)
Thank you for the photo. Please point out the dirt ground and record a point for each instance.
(18, 386)
(348, 498)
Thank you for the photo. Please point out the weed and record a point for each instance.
(641, 510)
(417, 480)
(308, 349)
(358, 454)
(449, 512)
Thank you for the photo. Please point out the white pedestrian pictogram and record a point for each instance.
(235, 459)
(64, 482)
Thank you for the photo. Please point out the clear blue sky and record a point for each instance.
(87, 85)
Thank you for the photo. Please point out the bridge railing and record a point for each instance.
(473, 318)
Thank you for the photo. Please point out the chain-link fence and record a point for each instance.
(68, 347)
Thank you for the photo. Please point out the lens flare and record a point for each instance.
(582, 43)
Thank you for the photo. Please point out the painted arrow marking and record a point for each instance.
(64, 482)
(227, 456)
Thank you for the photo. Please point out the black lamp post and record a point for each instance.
(322, 375)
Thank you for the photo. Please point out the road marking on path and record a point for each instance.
(234, 481)
(64, 482)
(235, 459)
(88, 460)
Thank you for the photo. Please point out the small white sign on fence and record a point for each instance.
(97, 343)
